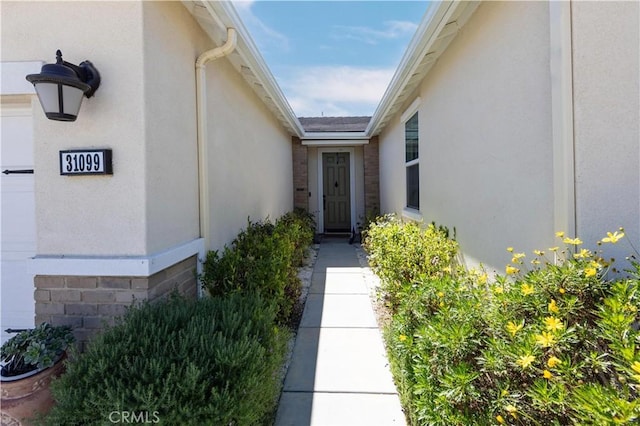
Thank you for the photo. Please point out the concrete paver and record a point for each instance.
(339, 373)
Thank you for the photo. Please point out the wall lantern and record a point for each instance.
(61, 87)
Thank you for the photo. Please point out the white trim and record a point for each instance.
(412, 214)
(412, 109)
(12, 75)
(330, 142)
(220, 15)
(561, 68)
(352, 184)
(125, 266)
(20, 106)
(429, 41)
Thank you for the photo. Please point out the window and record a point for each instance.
(411, 162)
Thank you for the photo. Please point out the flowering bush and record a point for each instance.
(402, 252)
(551, 343)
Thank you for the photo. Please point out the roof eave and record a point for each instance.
(215, 17)
(335, 135)
(442, 21)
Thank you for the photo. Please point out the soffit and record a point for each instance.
(215, 17)
(441, 24)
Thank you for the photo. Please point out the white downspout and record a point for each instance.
(201, 117)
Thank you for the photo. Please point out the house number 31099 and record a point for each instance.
(85, 162)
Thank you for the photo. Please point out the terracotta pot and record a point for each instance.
(26, 396)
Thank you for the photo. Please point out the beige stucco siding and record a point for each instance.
(606, 120)
(484, 136)
(250, 166)
(173, 41)
(93, 215)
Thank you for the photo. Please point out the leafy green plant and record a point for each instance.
(553, 341)
(401, 253)
(263, 258)
(36, 348)
(210, 361)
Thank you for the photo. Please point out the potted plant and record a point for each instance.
(30, 359)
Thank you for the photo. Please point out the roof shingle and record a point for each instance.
(334, 124)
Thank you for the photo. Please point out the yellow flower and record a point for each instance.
(553, 324)
(538, 252)
(590, 272)
(482, 279)
(613, 238)
(636, 367)
(510, 249)
(554, 248)
(525, 361)
(561, 291)
(513, 328)
(547, 374)
(498, 289)
(572, 241)
(517, 257)
(526, 289)
(500, 419)
(512, 410)
(545, 339)
(402, 337)
(535, 262)
(553, 361)
(584, 253)
(560, 234)
(595, 264)
(553, 307)
(504, 392)
(510, 270)
(440, 294)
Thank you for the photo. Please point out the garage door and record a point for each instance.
(17, 209)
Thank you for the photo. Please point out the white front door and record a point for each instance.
(17, 217)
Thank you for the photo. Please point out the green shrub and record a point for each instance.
(401, 253)
(263, 258)
(551, 343)
(210, 361)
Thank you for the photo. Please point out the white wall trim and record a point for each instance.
(352, 184)
(412, 214)
(412, 109)
(126, 266)
(330, 142)
(561, 65)
(13, 77)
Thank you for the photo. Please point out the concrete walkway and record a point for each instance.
(339, 373)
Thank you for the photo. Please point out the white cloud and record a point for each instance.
(262, 34)
(335, 90)
(390, 30)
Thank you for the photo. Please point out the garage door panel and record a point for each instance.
(17, 220)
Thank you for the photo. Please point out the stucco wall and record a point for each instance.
(250, 166)
(87, 215)
(484, 136)
(606, 74)
(172, 42)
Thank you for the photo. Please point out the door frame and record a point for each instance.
(352, 183)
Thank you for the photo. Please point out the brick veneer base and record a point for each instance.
(88, 303)
(300, 175)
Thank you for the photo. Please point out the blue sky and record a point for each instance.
(332, 58)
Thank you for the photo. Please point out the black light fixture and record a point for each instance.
(61, 87)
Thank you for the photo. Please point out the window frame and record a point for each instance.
(412, 111)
